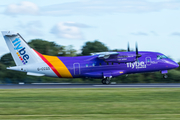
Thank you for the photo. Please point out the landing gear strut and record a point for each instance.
(106, 80)
(165, 76)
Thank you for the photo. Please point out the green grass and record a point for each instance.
(90, 104)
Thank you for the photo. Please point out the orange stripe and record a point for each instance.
(59, 66)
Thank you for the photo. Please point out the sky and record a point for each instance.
(153, 24)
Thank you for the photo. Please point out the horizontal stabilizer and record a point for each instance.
(10, 34)
(35, 74)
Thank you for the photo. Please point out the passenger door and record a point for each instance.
(148, 60)
(76, 67)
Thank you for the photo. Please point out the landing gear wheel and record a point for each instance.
(103, 81)
(165, 76)
(107, 82)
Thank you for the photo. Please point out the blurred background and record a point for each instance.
(80, 27)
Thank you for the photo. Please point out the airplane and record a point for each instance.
(102, 65)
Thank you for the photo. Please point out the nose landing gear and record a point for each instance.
(164, 72)
(165, 76)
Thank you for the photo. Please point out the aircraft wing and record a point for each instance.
(106, 55)
(115, 57)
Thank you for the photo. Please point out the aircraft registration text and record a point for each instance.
(43, 68)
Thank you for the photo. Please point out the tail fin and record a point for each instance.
(22, 53)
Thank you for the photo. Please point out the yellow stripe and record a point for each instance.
(59, 66)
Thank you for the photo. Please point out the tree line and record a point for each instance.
(51, 48)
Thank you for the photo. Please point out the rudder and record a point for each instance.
(21, 52)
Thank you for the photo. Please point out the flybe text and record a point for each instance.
(136, 65)
(21, 51)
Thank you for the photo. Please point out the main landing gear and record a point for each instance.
(106, 80)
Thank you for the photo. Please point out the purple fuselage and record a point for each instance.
(124, 63)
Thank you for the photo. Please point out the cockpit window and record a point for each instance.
(161, 57)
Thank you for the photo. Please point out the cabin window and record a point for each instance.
(99, 64)
(86, 65)
(107, 63)
(93, 64)
(161, 57)
(112, 63)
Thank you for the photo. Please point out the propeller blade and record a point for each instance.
(136, 49)
(137, 53)
(128, 49)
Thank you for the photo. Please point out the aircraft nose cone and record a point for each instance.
(174, 64)
(177, 65)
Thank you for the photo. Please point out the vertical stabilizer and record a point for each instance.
(21, 52)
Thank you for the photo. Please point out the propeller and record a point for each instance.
(137, 54)
(128, 49)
